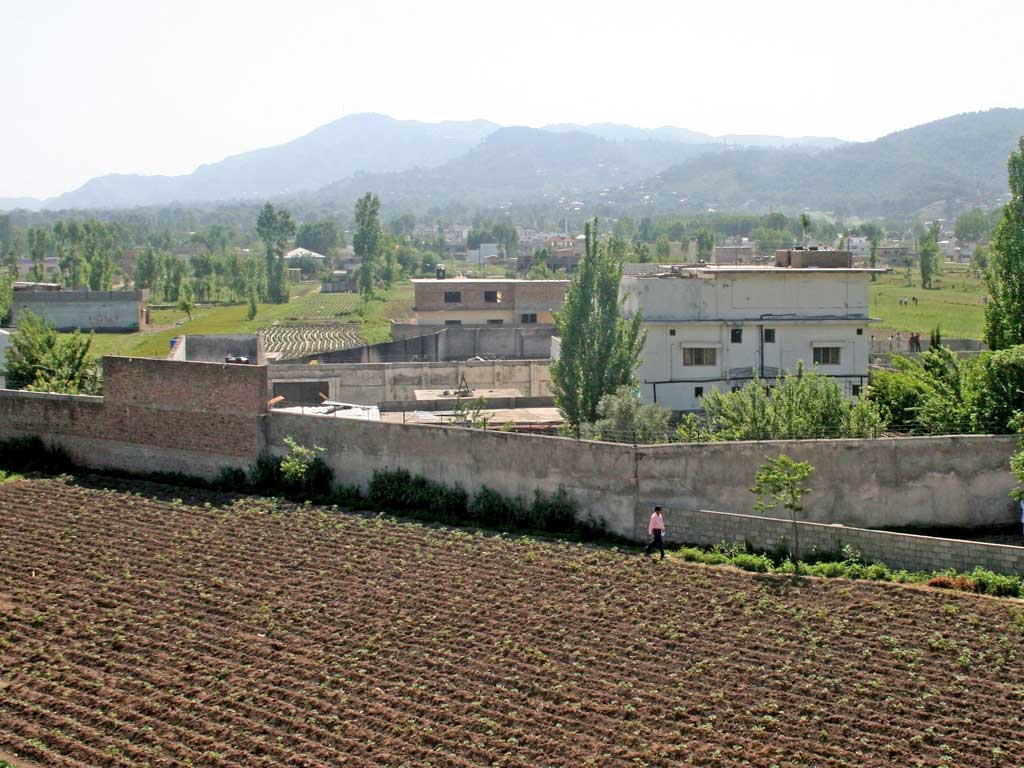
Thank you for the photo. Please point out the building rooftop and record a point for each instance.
(463, 280)
(714, 270)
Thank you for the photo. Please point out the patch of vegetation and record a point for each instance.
(956, 301)
(849, 565)
(30, 454)
(941, 394)
(307, 305)
(414, 496)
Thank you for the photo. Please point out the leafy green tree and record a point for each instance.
(803, 405)
(6, 297)
(622, 418)
(973, 225)
(942, 394)
(38, 244)
(805, 225)
(366, 241)
(41, 359)
(250, 313)
(641, 252)
(1004, 313)
(145, 268)
(979, 260)
(74, 268)
(663, 248)
(275, 228)
(780, 481)
(928, 255)
(771, 239)
(319, 237)
(705, 244)
(599, 348)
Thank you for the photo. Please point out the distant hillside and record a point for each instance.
(619, 132)
(607, 169)
(518, 165)
(960, 160)
(367, 143)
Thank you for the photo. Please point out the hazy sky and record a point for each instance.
(94, 87)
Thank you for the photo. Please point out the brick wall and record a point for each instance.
(156, 415)
(897, 550)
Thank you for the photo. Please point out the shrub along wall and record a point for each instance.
(896, 550)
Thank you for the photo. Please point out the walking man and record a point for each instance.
(656, 530)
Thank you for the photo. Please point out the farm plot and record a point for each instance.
(296, 340)
(140, 629)
(325, 305)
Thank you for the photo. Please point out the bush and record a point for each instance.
(998, 584)
(300, 475)
(399, 490)
(751, 562)
(490, 508)
(961, 583)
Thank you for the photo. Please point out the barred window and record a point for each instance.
(700, 356)
(826, 355)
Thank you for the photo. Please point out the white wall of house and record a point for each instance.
(716, 328)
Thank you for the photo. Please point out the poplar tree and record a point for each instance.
(38, 243)
(275, 228)
(600, 349)
(929, 255)
(366, 241)
(1004, 313)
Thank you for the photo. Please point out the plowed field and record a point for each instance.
(140, 630)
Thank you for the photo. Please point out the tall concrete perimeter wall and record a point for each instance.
(598, 475)
(373, 383)
(955, 481)
(155, 416)
(88, 310)
(960, 481)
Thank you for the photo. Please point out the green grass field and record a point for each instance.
(307, 305)
(956, 304)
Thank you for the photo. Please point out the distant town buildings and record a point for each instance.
(303, 253)
(720, 326)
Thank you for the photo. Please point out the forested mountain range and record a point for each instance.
(959, 160)
(356, 143)
(620, 132)
(607, 169)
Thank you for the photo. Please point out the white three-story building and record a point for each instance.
(719, 327)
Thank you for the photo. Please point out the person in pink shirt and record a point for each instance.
(656, 530)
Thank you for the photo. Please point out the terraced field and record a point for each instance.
(298, 339)
(325, 305)
(139, 628)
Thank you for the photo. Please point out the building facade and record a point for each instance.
(719, 327)
(466, 301)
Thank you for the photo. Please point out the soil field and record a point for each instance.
(137, 629)
(298, 339)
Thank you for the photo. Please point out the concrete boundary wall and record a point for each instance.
(600, 476)
(896, 550)
(960, 481)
